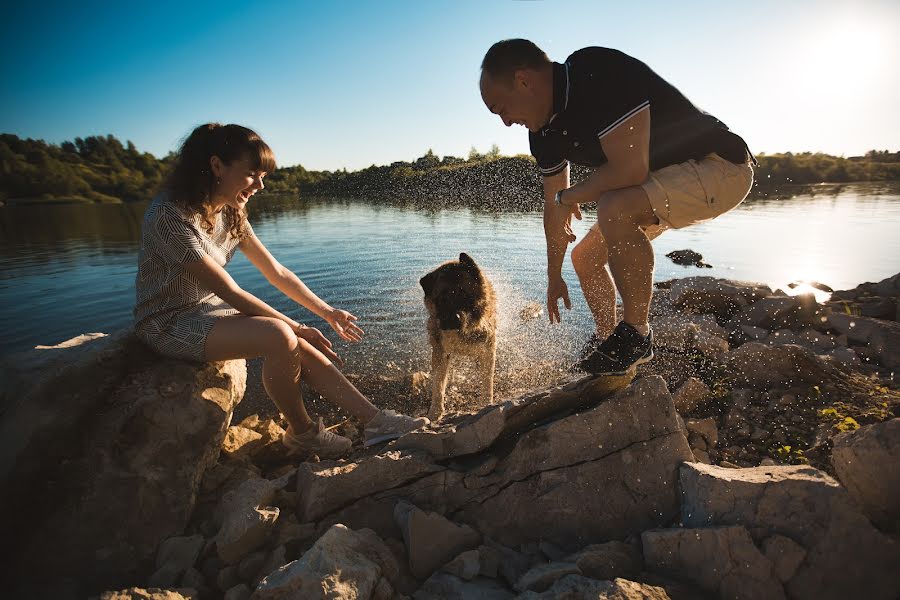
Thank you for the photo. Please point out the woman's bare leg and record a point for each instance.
(286, 359)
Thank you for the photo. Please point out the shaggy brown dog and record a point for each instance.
(462, 320)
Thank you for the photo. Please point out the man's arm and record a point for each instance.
(558, 231)
(556, 219)
(627, 149)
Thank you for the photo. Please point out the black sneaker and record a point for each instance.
(624, 349)
(590, 346)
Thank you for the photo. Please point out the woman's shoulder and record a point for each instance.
(163, 208)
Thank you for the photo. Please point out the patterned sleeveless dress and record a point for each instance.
(174, 312)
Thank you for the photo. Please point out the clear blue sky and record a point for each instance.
(333, 84)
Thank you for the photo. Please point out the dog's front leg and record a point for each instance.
(488, 363)
(440, 369)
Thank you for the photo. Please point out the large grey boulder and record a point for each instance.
(343, 564)
(762, 366)
(469, 434)
(147, 430)
(598, 475)
(721, 560)
(778, 312)
(328, 486)
(431, 540)
(711, 295)
(867, 462)
(846, 557)
(882, 337)
(248, 520)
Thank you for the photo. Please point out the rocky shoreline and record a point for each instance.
(756, 457)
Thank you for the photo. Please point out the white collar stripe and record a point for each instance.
(642, 106)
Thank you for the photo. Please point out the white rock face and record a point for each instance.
(867, 462)
(342, 564)
(846, 556)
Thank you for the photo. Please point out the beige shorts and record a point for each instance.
(695, 191)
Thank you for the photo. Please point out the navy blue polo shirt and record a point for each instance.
(597, 89)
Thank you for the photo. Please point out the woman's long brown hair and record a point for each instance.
(191, 181)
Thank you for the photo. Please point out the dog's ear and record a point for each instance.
(467, 261)
(427, 282)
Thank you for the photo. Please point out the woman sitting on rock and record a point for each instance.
(189, 307)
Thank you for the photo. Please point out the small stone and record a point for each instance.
(239, 592)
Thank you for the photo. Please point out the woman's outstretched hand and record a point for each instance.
(343, 324)
(319, 342)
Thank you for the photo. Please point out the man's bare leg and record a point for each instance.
(589, 258)
(620, 215)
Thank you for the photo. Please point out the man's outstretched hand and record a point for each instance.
(556, 290)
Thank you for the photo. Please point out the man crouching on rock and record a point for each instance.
(681, 167)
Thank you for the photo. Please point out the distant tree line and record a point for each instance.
(102, 169)
(96, 168)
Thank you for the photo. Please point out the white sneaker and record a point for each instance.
(390, 425)
(317, 440)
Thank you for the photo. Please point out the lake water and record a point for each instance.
(66, 270)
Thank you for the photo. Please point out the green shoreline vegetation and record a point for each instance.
(101, 169)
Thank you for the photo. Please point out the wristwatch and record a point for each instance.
(558, 198)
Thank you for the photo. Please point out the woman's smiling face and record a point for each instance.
(237, 181)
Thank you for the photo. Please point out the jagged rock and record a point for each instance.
(276, 559)
(722, 560)
(165, 577)
(680, 331)
(705, 428)
(136, 593)
(576, 587)
(465, 566)
(541, 577)
(443, 586)
(179, 553)
(194, 579)
(886, 287)
(511, 565)
(867, 462)
(882, 337)
(690, 394)
(687, 258)
(777, 312)
(383, 590)
(761, 366)
(846, 556)
(328, 486)
(844, 356)
(431, 540)
(469, 434)
(711, 295)
(609, 560)
(785, 554)
(756, 334)
(629, 446)
(251, 565)
(227, 578)
(709, 344)
(342, 564)
(240, 441)
(247, 518)
(239, 592)
(134, 430)
(818, 341)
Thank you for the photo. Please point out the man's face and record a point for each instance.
(516, 100)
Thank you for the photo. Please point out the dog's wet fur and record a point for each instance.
(462, 320)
